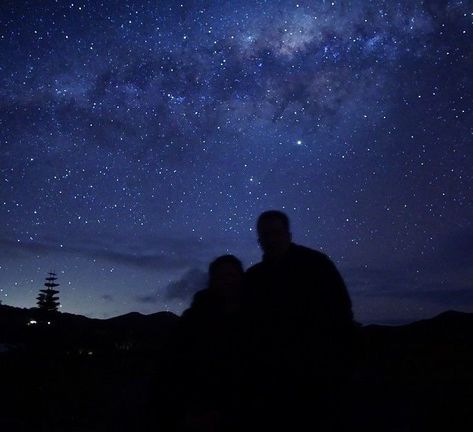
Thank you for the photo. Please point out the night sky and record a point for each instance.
(140, 140)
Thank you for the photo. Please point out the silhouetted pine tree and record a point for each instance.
(47, 300)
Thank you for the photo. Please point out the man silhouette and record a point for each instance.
(300, 325)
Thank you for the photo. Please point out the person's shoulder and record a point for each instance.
(305, 252)
(312, 258)
(254, 275)
(201, 302)
(201, 298)
(254, 269)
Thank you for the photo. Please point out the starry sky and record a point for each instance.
(141, 139)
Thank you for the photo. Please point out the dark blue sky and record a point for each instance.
(140, 140)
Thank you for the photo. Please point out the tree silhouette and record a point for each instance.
(47, 300)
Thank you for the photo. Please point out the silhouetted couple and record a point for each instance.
(269, 349)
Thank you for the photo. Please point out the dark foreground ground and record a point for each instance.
(77, 374)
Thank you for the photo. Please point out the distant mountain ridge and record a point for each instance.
(16, 323)
(13, 312)
(134, 329)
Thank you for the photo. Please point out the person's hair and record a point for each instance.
(271, 215)
(224, 259)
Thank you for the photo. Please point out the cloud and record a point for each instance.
(183, 289)
(192, 281)
(10, 248)
(391, 296)
(147, 299)
(107, 297)
(448, 297)
(153, 252)
(391, 283)
(168, 261)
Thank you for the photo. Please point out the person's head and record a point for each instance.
(226, 273)
(274, 233)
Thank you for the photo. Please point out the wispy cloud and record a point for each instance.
(148, 299)
(192, 281)
(150, 253)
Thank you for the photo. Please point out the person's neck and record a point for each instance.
(276, 257)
